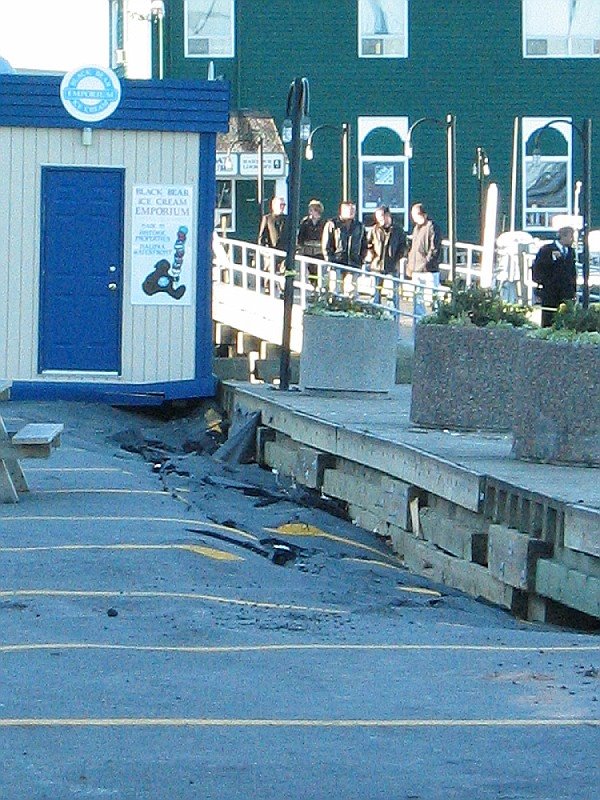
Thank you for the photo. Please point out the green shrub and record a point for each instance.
(573, 317)
(335, 305)
(476, 306)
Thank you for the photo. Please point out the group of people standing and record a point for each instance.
(381, 247)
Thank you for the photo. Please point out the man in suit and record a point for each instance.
(555, 273)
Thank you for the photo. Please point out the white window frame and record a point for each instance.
(553, 42)
(529, 126)
(228, 39)
(227, 211)
(380, 39)
(366, 125)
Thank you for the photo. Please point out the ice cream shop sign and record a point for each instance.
(161, 248)
(90, 94)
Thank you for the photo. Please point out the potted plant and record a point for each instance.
(464, 360)
(347, 345)
(557, 401)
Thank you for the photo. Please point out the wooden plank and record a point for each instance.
(8, 493)
(512, 556)
(14, 452)
(582, 530)
(39, 433)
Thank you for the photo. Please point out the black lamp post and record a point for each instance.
(585, 135)
(345, 154)
(450, 124)
(481, 171)
(296, 128)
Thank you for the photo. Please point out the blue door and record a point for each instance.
(81, 269)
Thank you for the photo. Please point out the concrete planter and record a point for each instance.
(557, 403)
(351, 354)
(463, 377)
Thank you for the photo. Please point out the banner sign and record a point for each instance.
(161, 249)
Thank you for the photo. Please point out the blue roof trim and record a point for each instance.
(33, 101)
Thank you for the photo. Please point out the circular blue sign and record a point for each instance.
(90, 94)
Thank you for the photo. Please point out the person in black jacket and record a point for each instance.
(386, 244)
(344, 239)
(310, 234)
(555, 273)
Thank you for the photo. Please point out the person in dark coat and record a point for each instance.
(274, 228)
(423, 263)
(386, 245)
(555, 273)
(310, 234)
(344, 239)
(274, 232)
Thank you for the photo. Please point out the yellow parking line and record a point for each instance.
(183, 722)
(419, 590)
(374, 562)
(277, 648)
(209, 552)
(73, 593)
(301, 529)
(104, 518)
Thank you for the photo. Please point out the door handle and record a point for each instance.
(112, 287)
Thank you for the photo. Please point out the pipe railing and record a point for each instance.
(258, 269)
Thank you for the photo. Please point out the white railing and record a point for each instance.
(257, 269)
(248, 284)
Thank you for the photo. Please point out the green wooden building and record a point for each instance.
(380, 65)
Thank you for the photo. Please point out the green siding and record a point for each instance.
(465, 57)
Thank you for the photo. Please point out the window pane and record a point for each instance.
(382, 28)
(546, 184)
(209, 28)
(561, 28)
(383, 184)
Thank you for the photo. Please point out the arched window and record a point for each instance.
(547, 171)
(383, 174)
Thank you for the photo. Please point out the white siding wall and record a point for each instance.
(158, 342)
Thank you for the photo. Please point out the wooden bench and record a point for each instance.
(35, 440)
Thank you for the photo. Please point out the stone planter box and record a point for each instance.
(351, 354)
(557, 403)
(463, 377)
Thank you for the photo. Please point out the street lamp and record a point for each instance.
(260, 168)
(481, 171)
(157, 14)
(296, 129)
(345, 155)
(450, 124)
(585, 135)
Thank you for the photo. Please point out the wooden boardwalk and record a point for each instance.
(456, 506)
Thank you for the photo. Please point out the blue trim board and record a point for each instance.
(33, 101)
(207, 187)
(116, 394)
